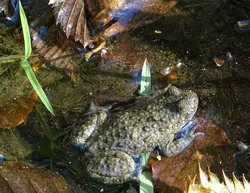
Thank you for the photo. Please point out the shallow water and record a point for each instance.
(182, 48)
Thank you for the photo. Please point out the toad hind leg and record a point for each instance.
(112, 167)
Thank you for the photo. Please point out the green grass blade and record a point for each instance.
(145, 158)
(26, 31)
(32, 78)
(26, 66)
(146, 185)
(145, 79)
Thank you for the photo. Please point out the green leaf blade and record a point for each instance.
(145, 159)
(146, 185)
(27, 68)
(145, 79)
(26, 31)
(33, 80)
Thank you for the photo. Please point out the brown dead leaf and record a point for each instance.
(177, 171)
(60, 57)
(19, 177)
(5, 5)
(16, 112)
(129, 15)
(71, 16)
(214, 135)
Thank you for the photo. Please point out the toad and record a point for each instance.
(117, 142)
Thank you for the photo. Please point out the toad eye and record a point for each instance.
(183, 106)
(174, 94)
(173, 91)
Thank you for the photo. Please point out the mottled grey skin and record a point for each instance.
(151, 123)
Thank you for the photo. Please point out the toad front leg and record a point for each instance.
(112, 167)
(176, 146)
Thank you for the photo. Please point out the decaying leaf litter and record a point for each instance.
(222, 91)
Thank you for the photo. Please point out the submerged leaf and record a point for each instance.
(61, 57)
(16, 112)
(133, 14)
(23, 177)
(13, 145)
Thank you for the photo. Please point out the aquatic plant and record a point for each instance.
(146, 185)
(25, 64)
